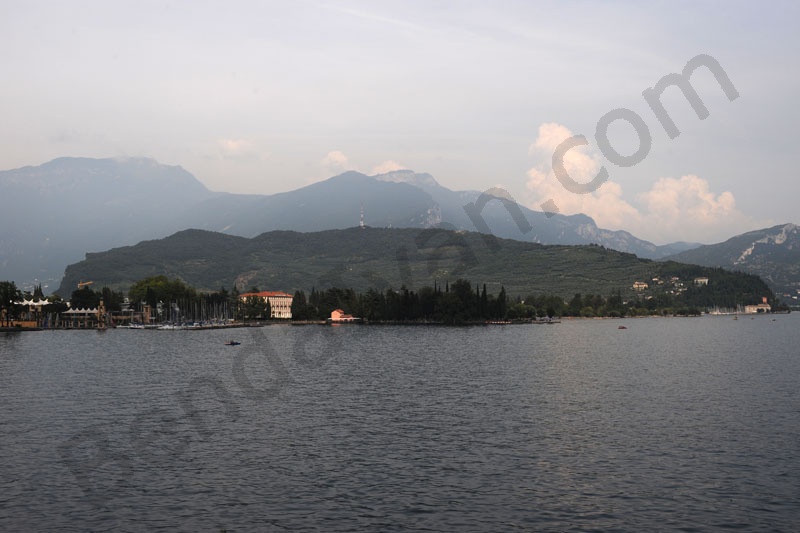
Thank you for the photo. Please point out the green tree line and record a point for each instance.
(451, 303)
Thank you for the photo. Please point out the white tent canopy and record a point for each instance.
(33, 303)
(80, 312)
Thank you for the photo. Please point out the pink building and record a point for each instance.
(340, 317)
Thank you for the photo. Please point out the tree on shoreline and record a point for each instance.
(9, 295)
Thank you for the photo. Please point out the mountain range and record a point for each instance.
(56, 212)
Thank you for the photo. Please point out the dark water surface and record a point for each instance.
(671, 424)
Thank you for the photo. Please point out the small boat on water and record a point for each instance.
(622, 327)
(232, 343)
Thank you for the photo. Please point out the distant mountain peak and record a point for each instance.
(408, 176)
(72, 161)
(350, 174)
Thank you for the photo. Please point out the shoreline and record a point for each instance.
(239, 325)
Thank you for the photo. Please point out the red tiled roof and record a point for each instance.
(266, 294)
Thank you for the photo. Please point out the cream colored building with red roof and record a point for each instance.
(279, 302)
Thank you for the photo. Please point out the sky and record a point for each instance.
(265, 97)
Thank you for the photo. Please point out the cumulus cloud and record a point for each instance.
(234, 148)
(605, 205)
(387, 166)
(687, 206)
(551, 134)
(335, 161)
(673, 209)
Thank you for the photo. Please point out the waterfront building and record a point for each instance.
(340, 317)
(279, 302)
(80, 318)
(763, 307)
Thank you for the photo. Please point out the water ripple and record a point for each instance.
(689, 425)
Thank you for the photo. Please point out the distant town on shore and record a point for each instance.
(158, 302)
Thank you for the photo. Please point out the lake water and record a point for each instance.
(672, 424)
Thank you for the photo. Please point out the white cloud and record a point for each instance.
(605, 205)
(673, 209)
(335, 161)
(551, 134)
(387, 166)
(234, 148)
(686, 206)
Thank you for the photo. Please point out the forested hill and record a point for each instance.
(381, 258)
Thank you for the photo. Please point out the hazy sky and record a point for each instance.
(264, 97)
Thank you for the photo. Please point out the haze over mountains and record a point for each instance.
(56, 212)
(53, 214)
